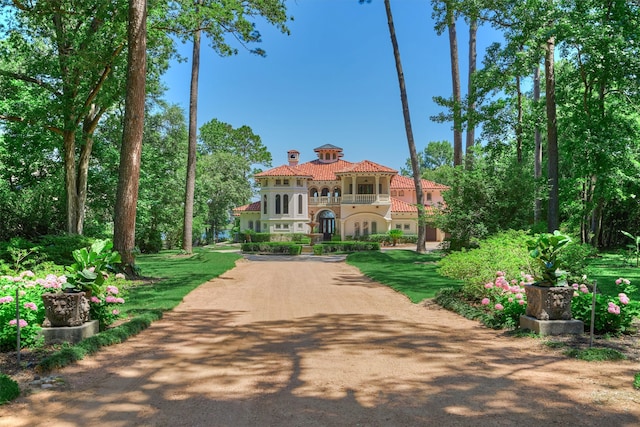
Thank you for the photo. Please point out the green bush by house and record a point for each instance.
(287, 248)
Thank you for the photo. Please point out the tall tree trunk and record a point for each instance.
(69, 142)
(553, 214)
(537, 166)
(519, 121)
(129, 171)
(471, 104)
(89, 125)
(455, 80)
(189, 195)
(415, 164)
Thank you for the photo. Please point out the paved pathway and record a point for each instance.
(296, 343)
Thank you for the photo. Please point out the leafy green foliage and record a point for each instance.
(635, 248)
(435, 155)
(504, 251)
(407, 272)
(613, 313)
(9, 389)
(289, 248)
(395, 235)
(596, 354)
(544, 249)
(347, 247)
(636, 381)
(91, 267)
(453, 299)
(30, 306)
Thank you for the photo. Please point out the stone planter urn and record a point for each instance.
(65, 309)
(549, 302)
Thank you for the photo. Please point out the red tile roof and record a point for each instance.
(323, 171)
(284, 170)
(367, 166)
(255, 206)
(404, 182)
(399, 206)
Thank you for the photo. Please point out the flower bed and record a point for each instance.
(103, 306)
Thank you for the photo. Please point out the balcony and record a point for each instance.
(366, 199)
(324, 201)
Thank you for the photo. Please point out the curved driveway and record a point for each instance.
(295, 343)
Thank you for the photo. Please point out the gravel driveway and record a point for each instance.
(296, 343)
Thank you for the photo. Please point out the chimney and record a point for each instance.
(294, 157)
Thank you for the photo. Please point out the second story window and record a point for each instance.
(285, 204)
(278, 206)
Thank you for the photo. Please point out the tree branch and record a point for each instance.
(18, 119)
(28, 79)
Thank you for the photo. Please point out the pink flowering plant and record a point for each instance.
(613, 314)
(106, 306)
(504, 301)
(30, 289)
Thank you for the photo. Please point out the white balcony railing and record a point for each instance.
(324, 200)
(365, 199)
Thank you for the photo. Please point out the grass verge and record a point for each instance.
(407, 272)
(178, 275)
(595, 354)
(608, 267)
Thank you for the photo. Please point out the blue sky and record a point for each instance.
(333, 80)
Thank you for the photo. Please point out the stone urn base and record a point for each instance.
(549, 303)
(65, 309)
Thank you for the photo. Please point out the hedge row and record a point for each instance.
(329, 247)
(272, 248)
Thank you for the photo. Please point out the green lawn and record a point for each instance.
(179, 275)
(607, 268)
(407, 272)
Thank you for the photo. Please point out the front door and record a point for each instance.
(327, 228)
(327, 224)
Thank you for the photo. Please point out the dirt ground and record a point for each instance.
(312, 343)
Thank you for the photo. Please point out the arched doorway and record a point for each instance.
(327, 224)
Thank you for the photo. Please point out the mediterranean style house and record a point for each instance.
(331, 196)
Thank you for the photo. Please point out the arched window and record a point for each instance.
(374, 227)
(264, 205)
(356, 230)
(278, 207)
(325, 192)
(285, 204)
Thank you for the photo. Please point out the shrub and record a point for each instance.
(59, 248)
(506, 251)
(103, 307)
(395, 235)
(355, 246)
(504, 302)
(30, 290)
(251, 236)
(574, 259)
(613, 314)
(380, 238)
(149, 241)
(9, 389)
(272, 248)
